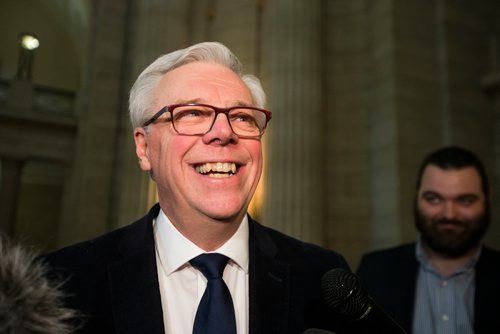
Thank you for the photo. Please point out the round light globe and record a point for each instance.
(29, 42)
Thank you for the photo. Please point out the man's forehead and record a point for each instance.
(462, 180)
(202, 81)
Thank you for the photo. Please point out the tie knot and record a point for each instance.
(211, 264)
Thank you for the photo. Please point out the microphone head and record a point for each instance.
(342, 291)
(29, 303)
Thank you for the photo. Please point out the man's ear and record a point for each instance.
(141, 148)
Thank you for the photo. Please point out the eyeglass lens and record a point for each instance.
(194, 120)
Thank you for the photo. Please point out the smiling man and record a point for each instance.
(447, 282)
(198, 263)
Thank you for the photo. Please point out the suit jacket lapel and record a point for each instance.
(486, 307)
(134, 286)
(408, 265)
(269, 284)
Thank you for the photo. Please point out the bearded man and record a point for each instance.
(447, 281)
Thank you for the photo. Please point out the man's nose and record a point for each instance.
(450, 210)
(221, 130)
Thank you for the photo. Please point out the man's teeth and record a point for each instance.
(217, 167)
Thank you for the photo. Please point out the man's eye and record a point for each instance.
(432, 198)
(187, 113)
(243, 117)
(467, 200)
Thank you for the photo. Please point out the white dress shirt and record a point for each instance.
(182, 285)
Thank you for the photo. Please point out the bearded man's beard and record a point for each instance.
(452, 243)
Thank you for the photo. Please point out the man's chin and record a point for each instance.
(225, 210)
(225, 216)
(450, 244)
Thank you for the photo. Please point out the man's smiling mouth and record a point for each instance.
(217, 169)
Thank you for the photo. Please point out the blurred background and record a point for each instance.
(360, 90)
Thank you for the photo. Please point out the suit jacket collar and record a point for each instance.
(269, 284)
(407, 266)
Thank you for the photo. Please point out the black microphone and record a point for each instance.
(343, 292)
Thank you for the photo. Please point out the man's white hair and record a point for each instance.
(140, 100)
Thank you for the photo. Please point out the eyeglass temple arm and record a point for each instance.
(155, 116)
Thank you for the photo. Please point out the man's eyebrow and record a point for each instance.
(435, 193)
(430, 192)
(188, 101)
(471, 195)
(242, 104)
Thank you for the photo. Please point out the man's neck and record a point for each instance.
(208, 234)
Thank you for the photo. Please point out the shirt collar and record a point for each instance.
(175, 250)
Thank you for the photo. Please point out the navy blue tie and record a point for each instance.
(215, 314)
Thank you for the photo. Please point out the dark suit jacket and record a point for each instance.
(390, 276)
(113, 281)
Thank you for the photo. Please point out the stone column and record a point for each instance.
(10, 170)
(86, 203)
(292, 56)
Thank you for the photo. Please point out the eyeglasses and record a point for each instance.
(197, 119)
